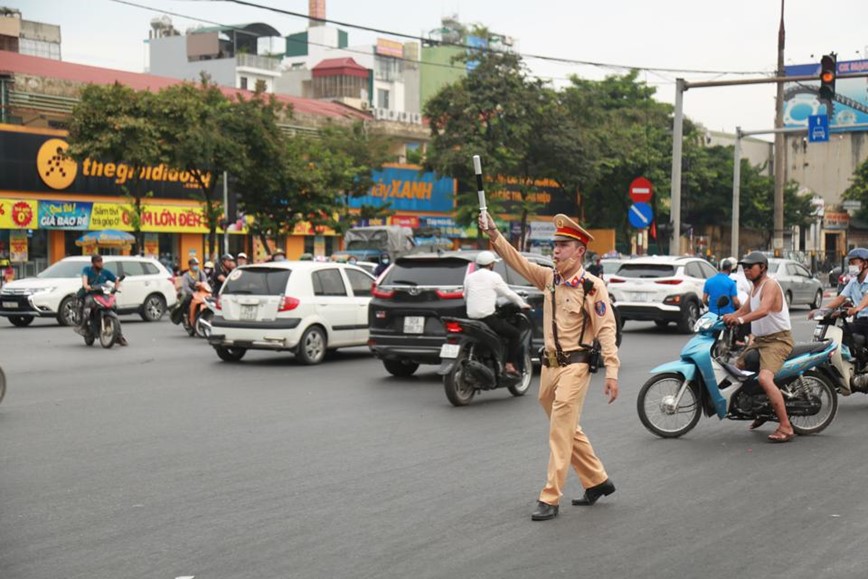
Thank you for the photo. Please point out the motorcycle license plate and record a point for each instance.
(818, 332)
(248, 313)
(10, 304)
(449, 350)
(414, 324)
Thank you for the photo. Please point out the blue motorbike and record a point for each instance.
(704, 380)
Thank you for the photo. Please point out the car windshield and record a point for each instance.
(63, 269)
(646, 270)
(257, 281)
(427, 273)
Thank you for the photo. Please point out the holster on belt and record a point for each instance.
(553, 360)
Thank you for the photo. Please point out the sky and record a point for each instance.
(691, 35)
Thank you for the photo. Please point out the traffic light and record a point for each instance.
(828, 72)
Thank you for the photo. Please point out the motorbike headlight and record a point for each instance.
(702, 324)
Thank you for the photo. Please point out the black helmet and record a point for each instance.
(226, 257)
(754, 257)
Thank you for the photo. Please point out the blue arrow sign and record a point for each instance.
(818, 129)
(640, 215)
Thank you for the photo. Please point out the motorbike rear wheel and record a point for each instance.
(2, 384)
(815, 385)
(108, 331)
(657, 410)
(458, 391)
(522, 387)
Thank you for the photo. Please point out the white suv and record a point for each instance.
(661, 289)
(305, 307)
(147, 290)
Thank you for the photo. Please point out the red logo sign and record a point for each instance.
(22, 214)
(641, 190)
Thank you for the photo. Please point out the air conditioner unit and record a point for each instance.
(365, 105)
(403, 117)
(416, 118)
(393, 114)
(380, 113)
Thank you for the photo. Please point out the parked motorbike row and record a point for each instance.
(705, 380)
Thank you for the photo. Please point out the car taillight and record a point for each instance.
(669, 282)
(453, 327)
(380, 293)
(616, 280)
(453, 295)
(288, 303)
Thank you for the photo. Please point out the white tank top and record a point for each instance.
(773, 322)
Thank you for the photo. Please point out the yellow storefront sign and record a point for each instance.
(155, 218)
(18, 214)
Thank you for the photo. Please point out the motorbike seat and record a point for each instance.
(475, 325)
(808, 348)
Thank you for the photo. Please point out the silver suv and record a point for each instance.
(661, 290)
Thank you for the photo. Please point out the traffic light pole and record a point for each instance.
(682, 86)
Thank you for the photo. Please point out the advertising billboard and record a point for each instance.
(851, 96)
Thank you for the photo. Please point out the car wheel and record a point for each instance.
(400, 368)
(818, 300)
(230, 354)
(312, 347)
(68, 312)
(153, 308)
(688, 317)
(789, 297)
(21, 321)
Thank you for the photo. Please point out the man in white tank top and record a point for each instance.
(766, 310)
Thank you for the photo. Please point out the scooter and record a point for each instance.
(474, 357)
(848, 367)
(704, 380)
(197, 322)
(103, 321)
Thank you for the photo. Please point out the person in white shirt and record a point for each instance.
(481, 290)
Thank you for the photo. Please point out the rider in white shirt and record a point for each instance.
(481, 290)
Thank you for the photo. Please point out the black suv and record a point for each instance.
(417, 291)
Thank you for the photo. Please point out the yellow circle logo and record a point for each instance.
(56, 169)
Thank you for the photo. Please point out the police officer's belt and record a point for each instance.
(553, 360)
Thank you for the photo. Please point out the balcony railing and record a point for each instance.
(256, 61)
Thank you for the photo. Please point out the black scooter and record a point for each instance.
(474, 357)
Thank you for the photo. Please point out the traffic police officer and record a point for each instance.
(578, 329)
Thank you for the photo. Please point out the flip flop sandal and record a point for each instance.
(757, 423)
(778, 436)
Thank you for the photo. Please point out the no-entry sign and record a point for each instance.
(641, 190)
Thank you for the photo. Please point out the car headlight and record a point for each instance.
(703, 323)
(42, 290)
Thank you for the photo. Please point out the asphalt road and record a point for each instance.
(160, 461)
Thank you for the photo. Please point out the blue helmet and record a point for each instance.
(858, 253)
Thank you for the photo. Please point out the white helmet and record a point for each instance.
(485, 258)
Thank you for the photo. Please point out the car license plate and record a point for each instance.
(640, 297)
(10, 304)
(248, 313)
(414, 324)
(449, 350)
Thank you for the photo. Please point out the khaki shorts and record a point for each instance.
(773, 350)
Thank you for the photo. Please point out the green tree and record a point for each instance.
(112, 123)
(196, 127)
(858, 189)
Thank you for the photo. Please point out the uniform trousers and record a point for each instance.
(562, 395)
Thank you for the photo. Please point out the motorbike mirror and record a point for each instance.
(722, 302)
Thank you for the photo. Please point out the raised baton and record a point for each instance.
(480, 190)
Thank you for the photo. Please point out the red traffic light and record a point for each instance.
(828, 70)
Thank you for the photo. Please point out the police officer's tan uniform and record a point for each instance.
(563, 387)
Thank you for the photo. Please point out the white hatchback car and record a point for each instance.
(147, 290)
(661, 289)
(305, 307)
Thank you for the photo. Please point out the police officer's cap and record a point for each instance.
(567, 229)
(754, 257)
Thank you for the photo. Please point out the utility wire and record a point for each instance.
(481, 49)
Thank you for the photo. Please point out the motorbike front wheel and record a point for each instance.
(815, 386)
(657, 408)
(203, 323)
(458, 391)
(108, 331)
(2, 384)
